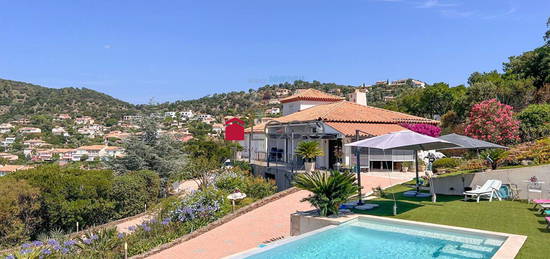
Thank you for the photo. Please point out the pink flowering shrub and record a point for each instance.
(493, 121)
(426, 129)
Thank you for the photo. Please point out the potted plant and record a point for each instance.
(328, 190)
(405, 166)
(309, 150)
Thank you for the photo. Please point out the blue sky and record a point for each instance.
(172, 50)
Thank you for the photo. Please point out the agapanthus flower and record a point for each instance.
(10, 257)
(64, 250)
(132, 228)
(53, 242)
(46, 251)
(37, 243)
(94, 237)
(120, 235)
(69, 242)
(146, 228)
(87, 241)
(27, 245)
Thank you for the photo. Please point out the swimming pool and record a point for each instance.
(377, 238)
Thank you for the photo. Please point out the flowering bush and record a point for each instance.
(426, 129)
(493, 121)
(205, 205)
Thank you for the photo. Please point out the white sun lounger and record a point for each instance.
(489, 189)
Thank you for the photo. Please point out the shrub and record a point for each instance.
(132, 191)
(535, 121)
(329, 189)
(493, 121)
(425, 129)
(493, 157)
(473, 164)
(19, 211)
(258, 188)
(446, 162)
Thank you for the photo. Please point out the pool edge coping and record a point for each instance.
(508, 250)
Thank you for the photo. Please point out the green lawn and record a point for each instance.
(515, 217)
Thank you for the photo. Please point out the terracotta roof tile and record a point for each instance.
(311, 95)
(345, 111)
(371, 129)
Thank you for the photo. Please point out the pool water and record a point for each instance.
(366, 238)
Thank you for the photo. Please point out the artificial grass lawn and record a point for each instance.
(515, 217)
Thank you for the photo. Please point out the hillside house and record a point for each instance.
(218, 128)
(97, 152)
(170, 115)
(273, 111)
(85, 120)
(132, 118)
(29, 130)
(187, 115)
(60, 131)
(282, 92)
(8, 141)
(64, 116)
(6, 169)
(8, 156)
(311, 115)
(34, 143)
(6, 128)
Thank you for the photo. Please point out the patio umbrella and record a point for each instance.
(404, 140)
(465, 142)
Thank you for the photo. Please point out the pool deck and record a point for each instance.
(271, 221)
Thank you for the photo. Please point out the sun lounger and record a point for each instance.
(539, 202)
(544, 207)
(547, 222)
(489, 189)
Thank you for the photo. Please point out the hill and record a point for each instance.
(19, 99)
(265, 97)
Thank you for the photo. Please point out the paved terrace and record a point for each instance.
(251, 229)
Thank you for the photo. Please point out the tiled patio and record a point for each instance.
(251, 229)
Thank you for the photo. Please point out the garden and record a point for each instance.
(174, 217)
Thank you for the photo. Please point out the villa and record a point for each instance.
(5, 128)
(30, 130)
(6, 169)
(333, 122)
(84, 120)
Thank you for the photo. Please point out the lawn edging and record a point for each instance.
(217, 223)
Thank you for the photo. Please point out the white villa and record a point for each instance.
(333, 122)
(5, 128)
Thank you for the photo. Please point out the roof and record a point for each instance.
(259, 128)
(63, 150)
(93, 147)
(344, 111)
(113, 148)
(34, 141)
(311, 95)
(366, 129)
(13, 168)
(469, 143)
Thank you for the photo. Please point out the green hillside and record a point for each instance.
(19, 99)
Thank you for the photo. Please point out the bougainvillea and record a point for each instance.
(426, 129)
(493, 121)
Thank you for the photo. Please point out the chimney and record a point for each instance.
(358, 97)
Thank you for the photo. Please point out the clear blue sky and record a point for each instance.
(171, 50)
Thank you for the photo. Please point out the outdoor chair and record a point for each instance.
(533, 188)
(490, 189)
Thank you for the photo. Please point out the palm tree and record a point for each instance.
(309, 150)
(329, 189)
